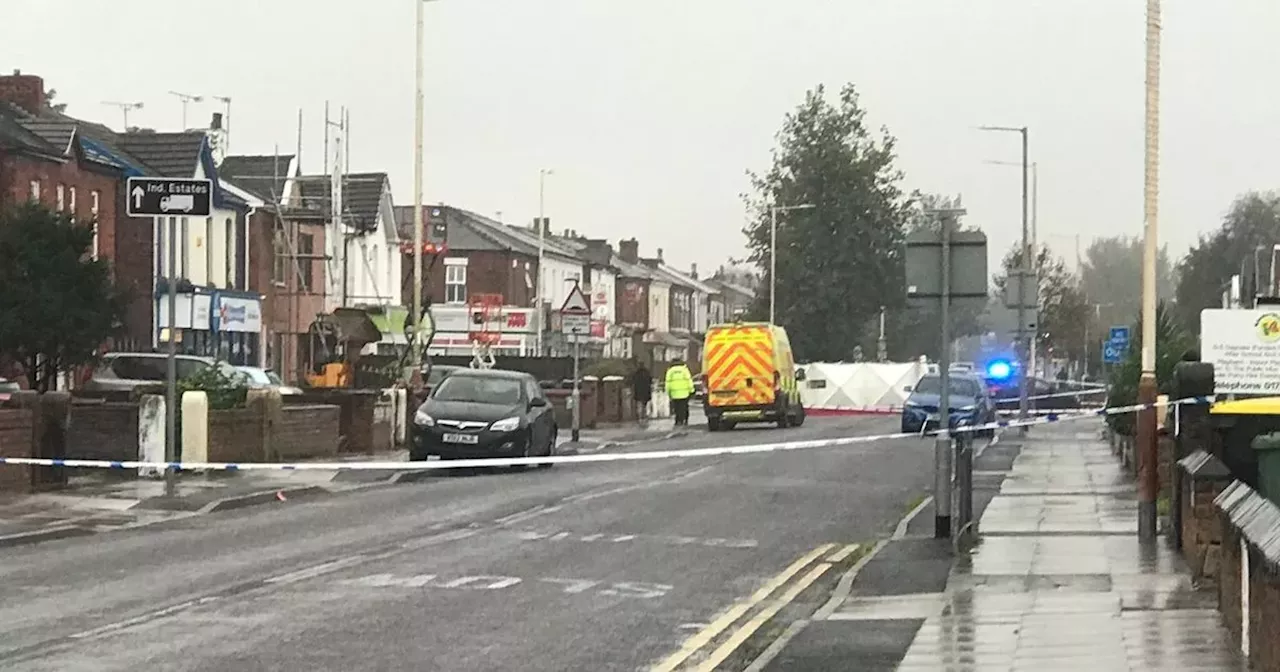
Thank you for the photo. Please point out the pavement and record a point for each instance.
(1058, 581)
(674, 564)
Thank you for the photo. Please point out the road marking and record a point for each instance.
(644, 591)
(737, 638)
(494, 582)
(570, 586)
(720, 624)
(142, 618)
(840, 555)
(901, 530)
(529, 534)
(316, 570)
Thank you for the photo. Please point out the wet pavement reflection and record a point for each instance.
(1059, 580)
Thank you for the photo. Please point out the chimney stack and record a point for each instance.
(660, 260)
(24, 91)
(215, 124)
(629, 250)
(693, 271)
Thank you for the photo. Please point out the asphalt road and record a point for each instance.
(581, 567)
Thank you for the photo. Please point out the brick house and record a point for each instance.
(74, 166)
(286, 257)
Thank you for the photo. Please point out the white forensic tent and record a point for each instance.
(862, 387)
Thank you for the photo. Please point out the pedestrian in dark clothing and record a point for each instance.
(641, 391)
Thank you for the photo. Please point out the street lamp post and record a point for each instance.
(542, 233)
(773, 253)
(1148, 453)
(1027, 262)
(417, 184)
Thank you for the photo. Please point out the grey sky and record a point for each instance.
(649, 112)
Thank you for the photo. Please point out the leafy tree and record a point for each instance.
(912, 330)
(1172, 342)
(839, 262)
(57, 305)
(1252, 222)
(1064, 314)
(1111, 278)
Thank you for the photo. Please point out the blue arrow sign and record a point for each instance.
(1111, 353)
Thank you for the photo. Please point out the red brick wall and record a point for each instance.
(236, 436)
(285, 310)
(1202, 528)
(125, 243)
(103, 431)
(633, 302)
(1264, 617)
(1229, 581)
(25, 91)
(308, 432)
(15, 441)
(488, 272)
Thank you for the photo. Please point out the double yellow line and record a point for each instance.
(730, 644)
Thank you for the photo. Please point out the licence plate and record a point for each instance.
(461, 438)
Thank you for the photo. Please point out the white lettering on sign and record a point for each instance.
(1244, 348)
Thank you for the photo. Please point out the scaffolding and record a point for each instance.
(485, 312)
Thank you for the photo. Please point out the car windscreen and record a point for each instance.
(438, 373)
(256, 376)
(478, 389)
(965, 387)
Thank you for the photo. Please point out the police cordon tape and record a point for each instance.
(577, 459)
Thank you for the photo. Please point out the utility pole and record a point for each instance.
(1148, 452)
(542, 232)
(186, 98)
(124, 109)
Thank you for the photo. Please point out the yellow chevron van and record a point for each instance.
(750, 376)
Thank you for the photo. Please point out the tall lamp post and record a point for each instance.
(773, 253)
(1027, 263)
(1148, 454)
(417, 183)
(542, 234)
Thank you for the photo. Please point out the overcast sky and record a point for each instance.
(650, 112)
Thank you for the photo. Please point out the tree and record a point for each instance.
(1111, 278)
(1252, 223)
(1172, 342)
(58, 306)
(912, 330)
(839, 262)
(1064, 314)
(48, 101)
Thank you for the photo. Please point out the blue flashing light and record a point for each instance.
(999, 370)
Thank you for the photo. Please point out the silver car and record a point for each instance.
(260, 378)
(126, 371)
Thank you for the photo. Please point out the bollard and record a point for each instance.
(195, 426)
(151, 416)
(964, 482)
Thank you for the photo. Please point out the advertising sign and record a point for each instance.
(1244, 348)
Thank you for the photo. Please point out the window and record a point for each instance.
(280, 259)
(71, 204)
(306, 248)
(94, 201)
(61, 192)
(455, 281)
(35, 190)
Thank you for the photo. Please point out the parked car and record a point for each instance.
(438, 373)
(126, 371)
(260, 378)
(476, 413)
(7, 387)
(969, 401)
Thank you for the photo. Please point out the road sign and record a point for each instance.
(161, 196)
(576, 303)
(1112, 352)
(1119, 335)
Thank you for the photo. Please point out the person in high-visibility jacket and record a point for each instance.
(679, 389)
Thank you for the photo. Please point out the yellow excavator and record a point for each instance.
(336, 341)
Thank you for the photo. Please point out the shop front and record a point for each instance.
(222, 324)
(513, 329)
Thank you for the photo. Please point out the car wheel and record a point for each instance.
(799, 417)
(551, 449)
(713, 424)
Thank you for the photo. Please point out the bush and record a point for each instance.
(1172, 342)
(224, 390)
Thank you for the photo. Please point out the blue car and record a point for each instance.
(970, 404)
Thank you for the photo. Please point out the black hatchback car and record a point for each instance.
(477, 413)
